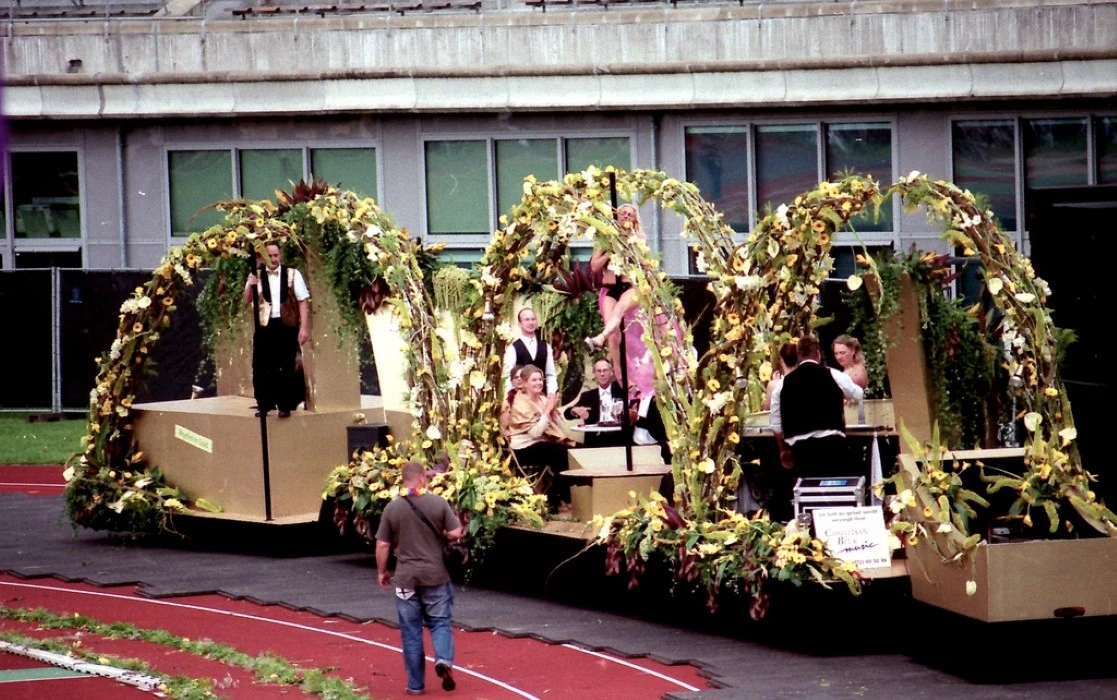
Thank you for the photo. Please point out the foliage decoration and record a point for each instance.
(110, 486)
(268, 667)
(1054, 477)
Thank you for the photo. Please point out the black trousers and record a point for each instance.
(821, 457)
(547, 453)
(273, 366)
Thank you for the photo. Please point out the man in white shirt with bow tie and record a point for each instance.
(588, 406)
(529, 349)
(282, 326)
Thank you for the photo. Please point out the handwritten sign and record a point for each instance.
(191, 438)
(854, 534)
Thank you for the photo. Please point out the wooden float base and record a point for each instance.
(211, 448)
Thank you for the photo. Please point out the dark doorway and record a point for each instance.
(1071, 229)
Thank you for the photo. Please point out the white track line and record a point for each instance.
(218, 611)
(628, 664)
(605, 657)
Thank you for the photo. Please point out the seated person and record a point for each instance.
(847, 353)
(588, 407)
(648, 428)
(506, 408)
(808, 415)
(789, 357)
(535, 434)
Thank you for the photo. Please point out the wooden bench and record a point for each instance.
(600, 483)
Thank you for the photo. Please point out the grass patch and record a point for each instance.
(23, 442)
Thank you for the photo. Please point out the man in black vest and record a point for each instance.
(808, 415)
(282, 326)
(529, 349)
(588, 406)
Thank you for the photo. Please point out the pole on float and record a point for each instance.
(259, 409)
(626, 421)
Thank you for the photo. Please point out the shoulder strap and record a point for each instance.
(424, 518)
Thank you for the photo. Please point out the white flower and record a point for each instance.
(716, 402)
(700, 262)
(1025, 297)
(707, 466)
(995, 285)
(1032, 421)
(914, 174)
(1068, 435)
(114, 351)
(748, 283)
(477, 379)
(434, 433)
(971, 587)
(854, 282)
(945, 527)
(781, 214)
(144, 302)
(487, 277)
(505, 331)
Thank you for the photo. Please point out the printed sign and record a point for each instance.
(191, 438)
(854, 534)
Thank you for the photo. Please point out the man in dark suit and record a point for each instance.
(588, 406)
(808, 415)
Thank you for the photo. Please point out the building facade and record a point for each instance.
(125, 125)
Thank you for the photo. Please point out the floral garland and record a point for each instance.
(109, 485)
(1054, 475)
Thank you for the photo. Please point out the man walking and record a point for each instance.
(282, 326)
(424, 594)
(530, 349)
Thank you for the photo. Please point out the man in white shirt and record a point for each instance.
(808, 415)
(529, 349)
(282, 325)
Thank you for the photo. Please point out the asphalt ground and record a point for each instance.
(813, 643)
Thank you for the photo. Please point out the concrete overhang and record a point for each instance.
(217, 95)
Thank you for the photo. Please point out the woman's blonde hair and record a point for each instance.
(850, 342)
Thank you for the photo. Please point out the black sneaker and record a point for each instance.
(442, 670)
(284, 414)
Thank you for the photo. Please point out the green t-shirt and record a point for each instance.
(418, 550)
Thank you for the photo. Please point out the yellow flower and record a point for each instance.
(818, 225)
(167, 301)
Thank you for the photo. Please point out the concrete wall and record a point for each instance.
(758, 55)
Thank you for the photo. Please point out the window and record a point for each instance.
(717, 161)
(786, 163)
(865, 149)
(197, 180)
(985, 163)
(1055, 152)
(262, 172)
(460, 174)
(45, 197)
(27, 260)
(457, 187)
(349, 168)
(1107, 150)
(598, 152)
(200, 178)
(517, 159)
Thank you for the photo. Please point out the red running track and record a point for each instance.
(489, 665)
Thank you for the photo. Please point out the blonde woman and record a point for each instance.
(617, 296)
(847, 353)
(535, 432)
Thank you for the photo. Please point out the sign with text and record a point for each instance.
(191, 438)
(854, 534)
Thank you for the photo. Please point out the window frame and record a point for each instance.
(13, 246)
(867, 239)
(234, 151)
(462, 242)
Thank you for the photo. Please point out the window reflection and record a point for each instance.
(46, 201)
(985, 163)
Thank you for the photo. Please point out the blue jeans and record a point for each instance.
(432, 606)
